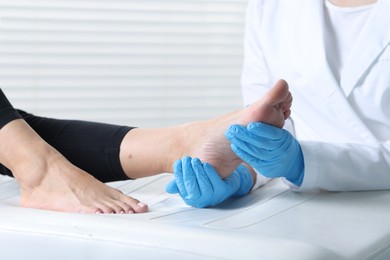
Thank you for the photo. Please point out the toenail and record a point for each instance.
(141, 204)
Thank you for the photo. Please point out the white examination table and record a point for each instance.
(270, 223)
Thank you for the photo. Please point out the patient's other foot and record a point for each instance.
(49, 181)
(61, 186)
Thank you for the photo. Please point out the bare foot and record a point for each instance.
(146, 152)
(208, 140)
(64, 187)
(49, 181)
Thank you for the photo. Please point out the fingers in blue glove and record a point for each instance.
(249, 140)
(270, 150)
(245, 178)
(172, 187)
(272, 135)
(242, 139)
(205, 185)
(192, 182)
(200, 186)
(178, 172)
(189, 179)
(223, 189)
(257, 133)
(264, 130)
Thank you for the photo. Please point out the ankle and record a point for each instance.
(180, 143)
(32, 167)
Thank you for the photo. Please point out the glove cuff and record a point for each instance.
(299, 165)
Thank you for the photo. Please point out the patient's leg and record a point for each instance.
(149, 151)
(49, 181)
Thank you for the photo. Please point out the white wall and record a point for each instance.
(136, 62)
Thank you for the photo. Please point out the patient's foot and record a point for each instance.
(145, 152)
(207, 140)
(59, 185)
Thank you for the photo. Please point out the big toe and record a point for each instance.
(136, 205)
(278, 93)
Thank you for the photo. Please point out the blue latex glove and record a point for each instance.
(272, 151)
(200, 186)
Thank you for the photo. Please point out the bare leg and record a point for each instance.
(48, 181)
(151, 151)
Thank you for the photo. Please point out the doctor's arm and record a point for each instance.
(346, 166)
(311, 165)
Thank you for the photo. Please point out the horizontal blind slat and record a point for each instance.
(142, 63)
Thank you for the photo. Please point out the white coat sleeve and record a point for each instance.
(345, 167)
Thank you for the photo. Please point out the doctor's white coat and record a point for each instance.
(343, 125)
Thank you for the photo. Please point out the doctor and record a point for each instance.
(335, 55)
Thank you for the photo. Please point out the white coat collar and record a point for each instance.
(312, 54)
(372, 40)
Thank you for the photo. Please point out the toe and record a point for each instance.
(106, 209)
(136, 205)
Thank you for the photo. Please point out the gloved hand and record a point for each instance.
(200, 186)
(272, 151)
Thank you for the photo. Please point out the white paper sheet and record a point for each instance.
(270, 223)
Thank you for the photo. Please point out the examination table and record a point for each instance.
(270, 223)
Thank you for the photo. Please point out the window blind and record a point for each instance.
(146, 63)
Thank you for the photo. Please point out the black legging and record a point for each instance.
(93, 147)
